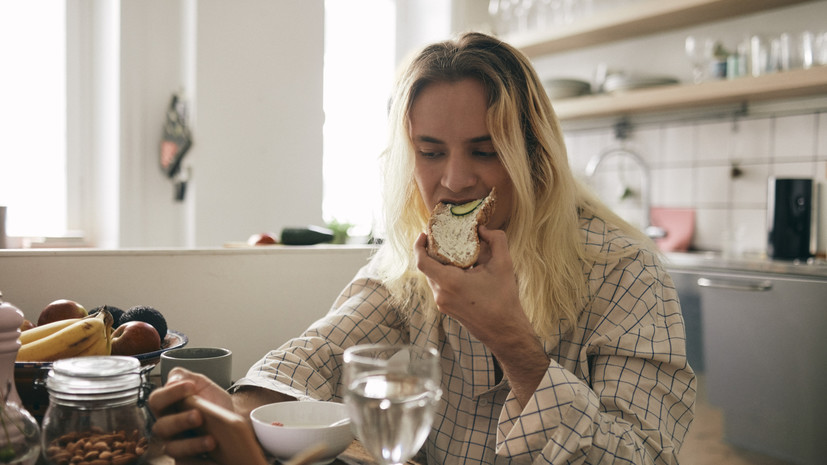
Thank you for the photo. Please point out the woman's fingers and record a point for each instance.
(420, 251)
(189, 447)
(496, 240)
(163, 399)
(173, 425)
(180, 432)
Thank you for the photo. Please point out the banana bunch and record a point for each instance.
(76, 337)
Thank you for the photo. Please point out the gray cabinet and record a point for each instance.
(765, 359)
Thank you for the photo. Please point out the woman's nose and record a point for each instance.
(458, 174)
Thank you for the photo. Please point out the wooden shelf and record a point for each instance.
(789, 84)
(647, 17)
(636, 20)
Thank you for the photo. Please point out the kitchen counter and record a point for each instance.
(716, 261)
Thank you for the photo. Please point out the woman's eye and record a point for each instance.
(426, 154)
(483, 154)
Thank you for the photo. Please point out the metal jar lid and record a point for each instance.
(96, 377)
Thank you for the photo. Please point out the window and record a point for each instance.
(33, 121)
(356, 93)
(33, 117)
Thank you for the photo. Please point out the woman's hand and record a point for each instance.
(195, 417)
(486, 300)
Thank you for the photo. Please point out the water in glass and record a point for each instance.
(391, 399)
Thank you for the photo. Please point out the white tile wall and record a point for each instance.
(714, 142)
(691, 164)
(751, 140)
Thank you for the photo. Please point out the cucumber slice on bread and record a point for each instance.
(465, 208)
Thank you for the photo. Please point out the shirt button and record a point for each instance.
(483, 402)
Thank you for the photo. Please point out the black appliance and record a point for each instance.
(790, 219)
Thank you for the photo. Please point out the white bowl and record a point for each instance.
(306, 424)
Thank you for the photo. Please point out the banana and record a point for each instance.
(39, 332)
(78, 338)
(101, 346)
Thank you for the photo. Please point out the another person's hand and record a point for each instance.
(195, 417)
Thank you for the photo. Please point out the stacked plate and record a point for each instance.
(566, 88)
(621, 82)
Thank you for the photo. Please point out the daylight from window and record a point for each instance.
(358, 77)
(33, 176)
(33, 117)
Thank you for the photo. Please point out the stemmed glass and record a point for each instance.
(391, 392)
(699, 52)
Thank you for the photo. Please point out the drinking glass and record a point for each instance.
(699, 52)
(391, 392)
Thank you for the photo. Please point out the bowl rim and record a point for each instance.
(299, 428)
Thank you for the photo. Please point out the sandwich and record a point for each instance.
(453, 238)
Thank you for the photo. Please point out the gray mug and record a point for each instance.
(213, 362)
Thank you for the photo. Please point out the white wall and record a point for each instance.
(150, 69)
(249, 300)
(252, 73)
(257, 164)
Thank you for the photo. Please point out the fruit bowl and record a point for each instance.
(28, 375)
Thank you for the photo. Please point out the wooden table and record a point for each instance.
(355, 454)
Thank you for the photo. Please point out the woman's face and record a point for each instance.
(455, 158)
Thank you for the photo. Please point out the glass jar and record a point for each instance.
(96, 412)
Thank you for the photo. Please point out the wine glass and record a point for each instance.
(699, 52)
(391, 392)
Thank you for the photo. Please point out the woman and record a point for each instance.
(563, 344)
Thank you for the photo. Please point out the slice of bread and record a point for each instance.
(453, 238)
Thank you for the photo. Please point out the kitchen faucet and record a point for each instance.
(654, 232)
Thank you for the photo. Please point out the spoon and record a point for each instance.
(308, 456)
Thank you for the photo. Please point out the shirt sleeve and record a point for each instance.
(632, 403)
(308, 367)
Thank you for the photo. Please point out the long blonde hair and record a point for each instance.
(544, 239)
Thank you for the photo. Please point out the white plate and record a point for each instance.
(619, 82)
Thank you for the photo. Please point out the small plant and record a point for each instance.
(340, 231)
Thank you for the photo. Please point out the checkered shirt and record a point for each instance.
(618, 389)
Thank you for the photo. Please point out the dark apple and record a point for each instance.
(135, 337)
(61, 309)
(263, 239)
